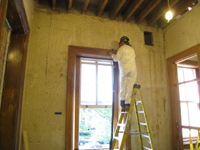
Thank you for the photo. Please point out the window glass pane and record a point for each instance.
(88, 84)
(94, 128)
(191, 91)
(194, 133)
(185, 133)
(184, 114)
(105, 62)
(180, 75)
(87, 61)
(194, 114)
(105, 85)
(189, 74)
(182, 93)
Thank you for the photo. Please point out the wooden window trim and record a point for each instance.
(74, 54)
(177, 141)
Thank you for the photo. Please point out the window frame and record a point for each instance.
(72, 94)
(177, 140)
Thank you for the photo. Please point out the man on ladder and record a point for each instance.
(125, 56)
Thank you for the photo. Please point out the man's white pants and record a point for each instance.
(126, 86)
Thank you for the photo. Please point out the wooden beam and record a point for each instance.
(53, 4)
(177, 9)
(102, 6)
(189, 64)
(86, 5)
(182, 56)
(116, 8)
(70, 4)
(3, 11)
(135, 4)
(147, 10)
(160, 11)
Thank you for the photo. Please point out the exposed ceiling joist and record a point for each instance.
(70, 4)
(117, 7)
(53, 4)
(160, 11)
(102, 6)
(177, 9)
(147, 10)
(86, 5)
(135, 4)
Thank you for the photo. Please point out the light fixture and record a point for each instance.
(169, 14)
(189, 8)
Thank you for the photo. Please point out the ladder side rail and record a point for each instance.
(145, 117)
(117, 130)
(128, 120)
(138, 125)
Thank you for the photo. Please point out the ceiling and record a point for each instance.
(150, 11)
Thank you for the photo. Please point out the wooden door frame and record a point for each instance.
(177, 141)
(12, 96)
(74, 54)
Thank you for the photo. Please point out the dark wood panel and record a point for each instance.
(3, 11)
(13, 92)
(17, 17)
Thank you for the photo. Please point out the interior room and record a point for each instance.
(60, 88)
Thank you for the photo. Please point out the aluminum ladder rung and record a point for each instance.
(117, 138)
(121, 125)
(141, 112)
(147, 148)
(144, 124)
(149, 142)
(120, 131)
(137, 102)
(124, 112)
(143, 135)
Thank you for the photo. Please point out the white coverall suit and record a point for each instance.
(126, 59)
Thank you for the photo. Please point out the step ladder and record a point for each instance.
(146, 144)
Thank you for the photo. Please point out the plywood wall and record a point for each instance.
(46, 74)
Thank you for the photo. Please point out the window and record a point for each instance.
(189, 101)
(96, 83)
(96, 96)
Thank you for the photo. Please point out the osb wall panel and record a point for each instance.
(184, 33)
(46, 74)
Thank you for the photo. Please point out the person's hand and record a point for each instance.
(112, 52)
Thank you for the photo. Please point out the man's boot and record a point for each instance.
(122, 104)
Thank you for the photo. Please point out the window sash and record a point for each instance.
(96, 62)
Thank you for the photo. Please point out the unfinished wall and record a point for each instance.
(29, 8)
(46, 74)
(184, 33)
